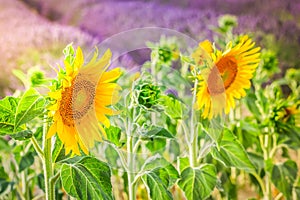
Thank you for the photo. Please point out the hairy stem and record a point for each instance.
(194, 135)
(130, 157)
(260, 181)
(37, 148)
(130, 173)
(47, 164)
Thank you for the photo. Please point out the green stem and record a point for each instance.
(260, 181)
(53, 179)
(130, 172)
(47, 164)
(130, 157)
(265, 145)
(194, 136)
(25, 184)
(37, 148)
(155, 77)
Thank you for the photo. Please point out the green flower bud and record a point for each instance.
(227, 22)
(270, 61)
(146, 94)
(37, 78)
(165, 54)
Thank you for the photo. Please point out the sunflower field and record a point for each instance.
(189, 106)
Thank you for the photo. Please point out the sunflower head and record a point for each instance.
(226, 76)
(81, 99)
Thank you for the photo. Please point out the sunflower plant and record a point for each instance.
(76, 110)
(197, 123)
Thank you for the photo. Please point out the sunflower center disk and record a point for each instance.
(76, 101)
(222, 75)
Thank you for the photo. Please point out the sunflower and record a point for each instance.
(227, 76)
(81, 101)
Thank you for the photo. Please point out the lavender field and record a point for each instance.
(33, 29)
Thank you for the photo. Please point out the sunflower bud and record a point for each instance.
(165, 54)
(165, 51)
(146, 94)
(37, 78)
(270, 61)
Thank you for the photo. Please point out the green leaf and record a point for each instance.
(156, 187)
(157, 132)
(297, 192)
(86, 178)
(231, 153)
(114, 135)
(158, 162)
(41, 181)
(31, 105)
(257, 160)
(251, 101)
(4, 146)
(59, 153)
(4, 183)
(173, 107)
(8, 105)
(112, 156)
(7, 114)
(26, 161)
(22, 135)
(214, 130)
(284, 176)
(183, 163)
(289, 134)
(156, 145)
(15, 112)
(198, 183)
(174, 149)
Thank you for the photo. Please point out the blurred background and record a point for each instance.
(33, 33)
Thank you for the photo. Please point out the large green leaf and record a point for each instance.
(284, 176)
(173, 107)
(14, 112)
(8, 105)
(26, 161)
(114, 135)
(156, 186)
(22, 135)
(251, 102)
(86, 178)
(157, 132)
(198, 183)
(158, 162)
(112, 156)
(4, 182)
(7, 114)
(58, 152)
(183, 163)
(156, 145)
(231, 153)
(31, 104)
(4, 146)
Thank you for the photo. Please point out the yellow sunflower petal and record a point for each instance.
(207, 46)
(55, 95)
(110, 76)
(52, 130)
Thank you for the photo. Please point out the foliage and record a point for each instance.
(156, 143)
